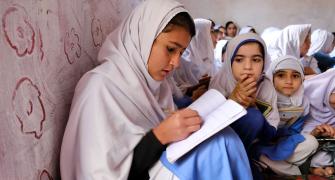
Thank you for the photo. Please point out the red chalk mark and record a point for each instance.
(72, 48)
(45, 175)
(40, 45)
(18, 31)
(96, 32)
(28, 107)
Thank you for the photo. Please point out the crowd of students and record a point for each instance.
(159, 60)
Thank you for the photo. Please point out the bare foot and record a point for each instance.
(327, 171)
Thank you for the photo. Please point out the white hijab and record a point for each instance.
(245, 29)
(218, 55)
(199, 55)
(289, 40)
(318, 89)
(225, 82)
(321, 41)
(269, 35)
(116, 103)
(297, 99)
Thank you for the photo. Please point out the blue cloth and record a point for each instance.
(220, 157)
(182, 102)
(324, 61)
(253, 126)
(250, 127)
(288, 140)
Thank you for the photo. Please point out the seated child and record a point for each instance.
(320, 90)
(291, 147)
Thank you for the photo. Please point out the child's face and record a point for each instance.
(332, 100)
(166, 51)
(249, 60)
(231, 30)
(287, 81)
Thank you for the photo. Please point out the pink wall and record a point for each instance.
(45, 47)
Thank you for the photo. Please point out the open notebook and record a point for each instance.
(217, 113)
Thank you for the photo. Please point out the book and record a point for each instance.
(216, 112)
(264, 107)
(289, 115)
(202, 82)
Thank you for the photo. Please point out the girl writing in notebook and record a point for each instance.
(121, 121)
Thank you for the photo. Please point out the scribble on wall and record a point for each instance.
(18, 31)
(45, 175)
(72, 47)
(40, 45)
(28, 107)
(96, 32)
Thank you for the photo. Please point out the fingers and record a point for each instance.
(326, 130)
(193, 128)
(187, 113)
(192, 121)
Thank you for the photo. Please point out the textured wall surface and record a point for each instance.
(45, 47)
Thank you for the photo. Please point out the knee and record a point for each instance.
(255, 118)
(311, 143)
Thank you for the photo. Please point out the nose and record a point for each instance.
(247, 65)
(289, 80)
(175, 61)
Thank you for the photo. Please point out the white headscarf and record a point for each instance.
(269, 35)
(200, 53)
(225, 82)
(289, 40)
(245, 29)
(218, 55)
(116, 103)
(297, 99)
(321, 41)
(318, 89)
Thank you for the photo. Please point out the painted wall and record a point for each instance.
(265, 13)
(45, 47)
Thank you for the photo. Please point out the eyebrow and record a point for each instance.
(283, 71)
(177, 44)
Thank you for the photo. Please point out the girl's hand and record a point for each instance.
(323, 130)
(245, 91)
(178, 126)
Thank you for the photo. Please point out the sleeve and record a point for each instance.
(146, 154)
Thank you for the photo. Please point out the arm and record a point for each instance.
(176, 127)
(146, 154)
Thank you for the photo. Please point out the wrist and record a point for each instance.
(156, 131)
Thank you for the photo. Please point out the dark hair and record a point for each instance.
(224, 48)
(228, 23)
(212, 23)
(182, 19)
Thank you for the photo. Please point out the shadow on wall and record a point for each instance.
(45, 47)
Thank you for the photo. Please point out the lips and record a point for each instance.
(166, 72)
